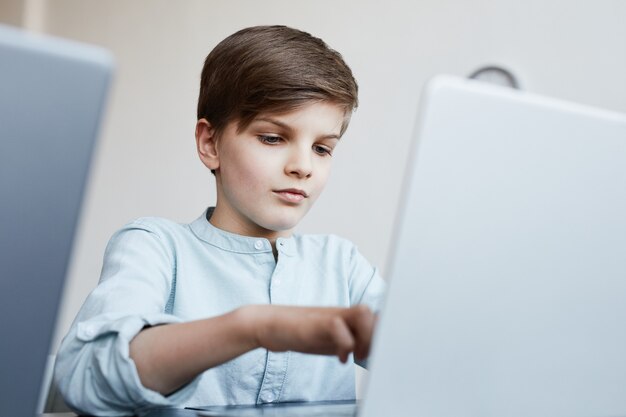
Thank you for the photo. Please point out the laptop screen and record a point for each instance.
(507, 277)
(51, 96)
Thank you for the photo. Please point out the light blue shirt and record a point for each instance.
(156, 271)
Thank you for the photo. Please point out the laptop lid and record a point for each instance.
(51, 97)
(508, 269)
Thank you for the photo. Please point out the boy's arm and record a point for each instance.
(169, 356)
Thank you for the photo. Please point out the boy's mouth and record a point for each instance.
(293, 195)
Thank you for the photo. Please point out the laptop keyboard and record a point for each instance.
(328, 409)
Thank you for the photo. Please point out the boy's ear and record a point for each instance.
(206, 144)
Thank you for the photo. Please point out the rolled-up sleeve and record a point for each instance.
(93, 370)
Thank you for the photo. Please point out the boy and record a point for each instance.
(234, 308)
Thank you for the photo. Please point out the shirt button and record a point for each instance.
(277, 282)
(89, 332)
(269, 398)
(258, 245)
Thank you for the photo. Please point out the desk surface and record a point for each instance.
(155, 413)
(318, 408)
(164, 412)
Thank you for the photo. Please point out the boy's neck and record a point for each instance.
(218, 219)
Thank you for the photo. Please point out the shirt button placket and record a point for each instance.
(277, 362)
(274, 378)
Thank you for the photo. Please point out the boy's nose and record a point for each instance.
(300, 163)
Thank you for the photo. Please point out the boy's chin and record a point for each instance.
(282, 224)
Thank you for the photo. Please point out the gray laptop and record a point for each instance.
(508, 267)
(51, 96)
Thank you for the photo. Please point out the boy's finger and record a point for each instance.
(342, 338)
(361, 322)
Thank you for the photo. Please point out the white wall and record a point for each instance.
(146, 162)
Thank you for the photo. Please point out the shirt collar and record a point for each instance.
(232, 242)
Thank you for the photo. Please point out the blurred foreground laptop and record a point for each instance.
(51, 96)
(508, 264)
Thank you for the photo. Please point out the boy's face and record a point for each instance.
(270, 174)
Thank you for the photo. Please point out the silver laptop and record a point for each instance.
(51, 96)
(508, 268)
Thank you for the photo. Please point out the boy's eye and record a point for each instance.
(270, 140)
(322, 150)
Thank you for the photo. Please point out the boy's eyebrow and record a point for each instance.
(288, 128)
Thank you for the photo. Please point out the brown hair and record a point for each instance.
(271, 69)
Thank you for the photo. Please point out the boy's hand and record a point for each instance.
(169, 356)
(318, 330)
